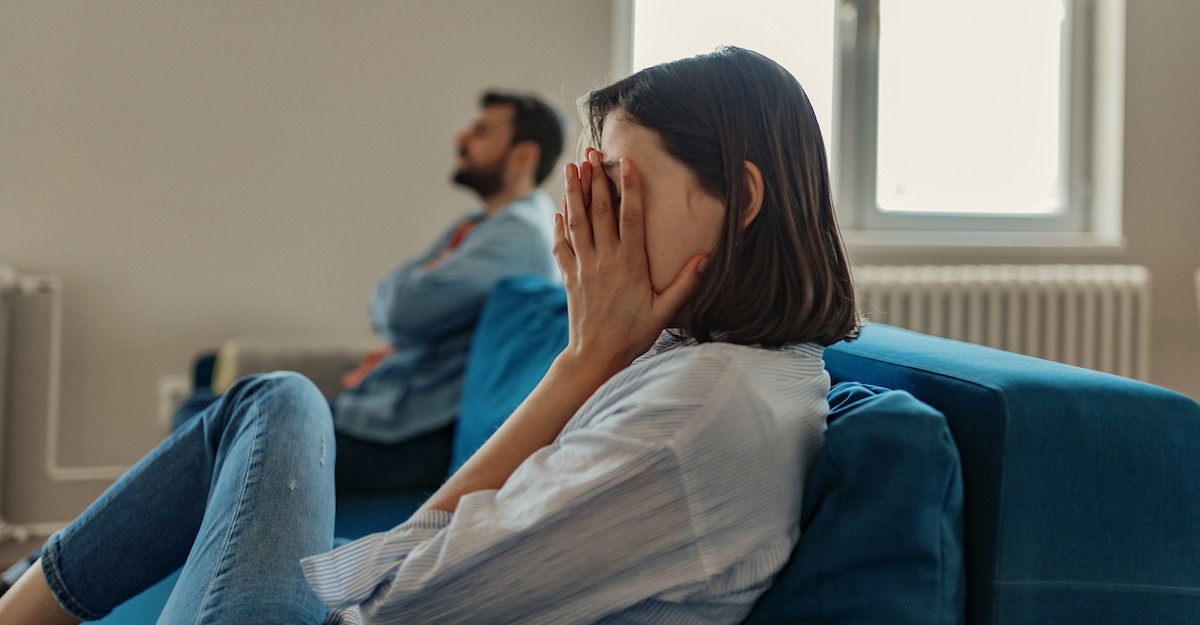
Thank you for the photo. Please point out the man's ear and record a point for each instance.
(525, 155)
(752, 193)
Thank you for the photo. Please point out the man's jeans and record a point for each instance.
(237, 496)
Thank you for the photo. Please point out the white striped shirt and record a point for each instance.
(672, 496)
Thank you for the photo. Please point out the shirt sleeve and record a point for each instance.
(418, 304)
(378, 323)
(586, 527)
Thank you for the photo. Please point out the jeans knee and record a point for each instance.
(285, 396)
(292, 384)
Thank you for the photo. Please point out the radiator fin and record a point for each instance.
(1092, 316)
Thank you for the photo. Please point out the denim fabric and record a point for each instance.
(192, 405)
(420, 463)
(417, 464)
(244, 491)
(429, 315)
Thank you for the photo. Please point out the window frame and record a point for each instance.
(856, 133)
(1091, 143)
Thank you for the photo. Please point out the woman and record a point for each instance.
(664, 489)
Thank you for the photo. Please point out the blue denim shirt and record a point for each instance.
(428, 315)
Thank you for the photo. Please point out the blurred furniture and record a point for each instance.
(322, 359)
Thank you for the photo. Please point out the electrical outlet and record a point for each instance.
(172, 391)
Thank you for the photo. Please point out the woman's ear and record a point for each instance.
(753, 188)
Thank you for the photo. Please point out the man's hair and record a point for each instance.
(785, 278)
(533, 120)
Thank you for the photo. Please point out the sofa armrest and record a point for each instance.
(1080, 499)
(321, 359)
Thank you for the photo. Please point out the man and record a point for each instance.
(395, 420)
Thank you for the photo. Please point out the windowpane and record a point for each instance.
(797, 34)
(970, 106)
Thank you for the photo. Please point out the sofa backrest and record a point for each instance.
(522, 327)
(1081, 489)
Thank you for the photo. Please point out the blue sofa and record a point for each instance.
(958, 484)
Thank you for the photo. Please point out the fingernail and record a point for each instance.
(702, 266)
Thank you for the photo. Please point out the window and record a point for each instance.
(967, 116)
(798, 35)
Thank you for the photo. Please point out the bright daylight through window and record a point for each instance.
(940, 114)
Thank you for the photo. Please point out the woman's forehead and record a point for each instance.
(622, 136)
(612, 133)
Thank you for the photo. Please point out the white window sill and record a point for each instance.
(983, 245)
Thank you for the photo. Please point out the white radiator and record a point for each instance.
(12, 287)
(1093, 316)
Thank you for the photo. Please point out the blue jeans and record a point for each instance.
(418, 463)
(237, 496)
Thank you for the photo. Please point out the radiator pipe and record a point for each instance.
(30, 285)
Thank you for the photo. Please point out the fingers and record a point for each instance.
(632, 226)
(578, 228)
(563, 254)
(604, 224)
(585, 174)
(670, 300)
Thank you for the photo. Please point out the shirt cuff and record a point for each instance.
(350, 574)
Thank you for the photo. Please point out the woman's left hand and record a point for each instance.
(614, 313)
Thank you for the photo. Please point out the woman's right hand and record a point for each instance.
(614, 312)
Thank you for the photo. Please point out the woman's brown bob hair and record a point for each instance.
(784, 278)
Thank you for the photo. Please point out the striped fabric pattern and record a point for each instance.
(672, 496)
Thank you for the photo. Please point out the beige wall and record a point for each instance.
(1162, 177)
(195, 170)
(203, 169)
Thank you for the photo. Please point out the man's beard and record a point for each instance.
(484, 181)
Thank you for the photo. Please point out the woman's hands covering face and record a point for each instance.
(614, 312)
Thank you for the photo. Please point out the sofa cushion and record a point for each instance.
(522, 327)
(881, 522)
